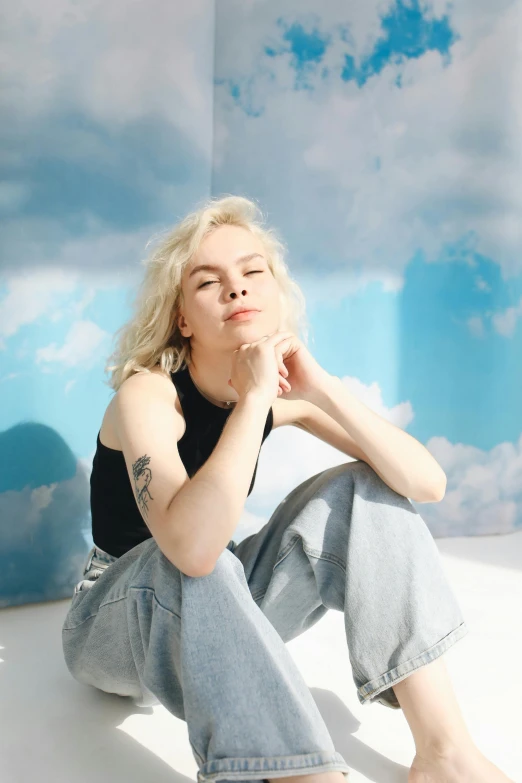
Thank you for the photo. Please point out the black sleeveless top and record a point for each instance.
(117, 524)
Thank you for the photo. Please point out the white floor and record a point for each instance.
(54, 729)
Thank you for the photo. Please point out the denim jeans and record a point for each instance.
(211, 649)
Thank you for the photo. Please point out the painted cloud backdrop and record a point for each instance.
(382, 140)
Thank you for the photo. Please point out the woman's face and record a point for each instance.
(211, 295)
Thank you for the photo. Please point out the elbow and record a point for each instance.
(440, 489)
(190, 566)
(200, 567)
(433, 493)
(196, 567)
(194, 572)
(200, 571)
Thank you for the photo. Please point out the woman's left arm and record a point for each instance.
(400, 460)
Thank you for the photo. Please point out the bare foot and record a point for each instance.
(456, 767)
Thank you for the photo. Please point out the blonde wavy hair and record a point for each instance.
(151, 336)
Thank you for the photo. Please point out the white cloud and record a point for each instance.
(81, 347)
(505, 322)
(401, 415)
(49, 288)
(481, 284)
(322, 286)
(447, 139)
(484, 490)
(440, 180)
(31, 296)
(323, 142)
(126, 72)
(101, 60)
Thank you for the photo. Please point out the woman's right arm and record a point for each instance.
(207, 509)
(192, 519)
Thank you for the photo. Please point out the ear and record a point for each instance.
(182, 326)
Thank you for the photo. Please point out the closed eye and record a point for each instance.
(253, 272)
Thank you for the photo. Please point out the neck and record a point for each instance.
(211, 378)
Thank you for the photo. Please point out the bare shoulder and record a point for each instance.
(155, 381)
(287, 412)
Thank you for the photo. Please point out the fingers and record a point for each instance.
(283, 383)
(282, 368)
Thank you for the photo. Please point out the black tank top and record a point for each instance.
(117, 524)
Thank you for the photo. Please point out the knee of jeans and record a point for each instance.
(363, 478)
(348, 474)
(369, 480)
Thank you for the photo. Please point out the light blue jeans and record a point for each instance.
(211, 649)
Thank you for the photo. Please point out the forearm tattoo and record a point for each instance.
(142, 478)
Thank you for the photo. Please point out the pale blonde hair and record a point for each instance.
(151, 336)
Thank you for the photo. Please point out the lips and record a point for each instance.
(242, 312)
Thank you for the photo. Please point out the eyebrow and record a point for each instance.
(214, 268)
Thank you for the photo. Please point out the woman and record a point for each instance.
(171, 609)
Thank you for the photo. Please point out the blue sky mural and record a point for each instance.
(382, 141)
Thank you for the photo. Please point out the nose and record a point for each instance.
(233, 294)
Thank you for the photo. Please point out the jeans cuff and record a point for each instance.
(367, 693)
(258, 769)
